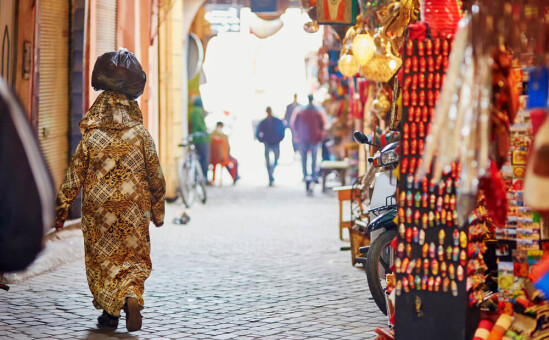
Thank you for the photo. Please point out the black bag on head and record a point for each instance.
(119, 71)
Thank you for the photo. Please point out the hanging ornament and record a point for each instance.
(381, 104)
(384, 64)
(311, 27)
(401, 14)
(348, 65)
(363, 47)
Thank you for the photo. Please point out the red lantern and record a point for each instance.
(442, 16)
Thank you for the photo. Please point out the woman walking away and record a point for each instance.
(123, 190)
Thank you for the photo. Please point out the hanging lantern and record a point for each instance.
(381, 104)
(348, 65)
(363, 48)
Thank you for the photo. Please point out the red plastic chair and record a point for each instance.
(219, 154)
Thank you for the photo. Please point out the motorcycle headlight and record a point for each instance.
(389, 157)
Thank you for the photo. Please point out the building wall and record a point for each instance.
(171, 44)
(143, 43)
(102, 36)
(25, 32)
(153, 90)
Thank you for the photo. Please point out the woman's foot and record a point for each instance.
(107, 321)
(133, 317)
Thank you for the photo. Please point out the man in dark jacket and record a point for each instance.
(270, 132)
(308, 124)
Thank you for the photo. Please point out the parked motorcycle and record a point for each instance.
(379, 256)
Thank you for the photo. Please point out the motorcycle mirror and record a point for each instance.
(361, 138)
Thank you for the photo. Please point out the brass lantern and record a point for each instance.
(363, 48)
(348, 65)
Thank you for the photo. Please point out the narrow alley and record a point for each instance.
(272, 271)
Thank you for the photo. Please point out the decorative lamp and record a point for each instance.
(348, 65)
(381, 104)
(363, 48)
(384, 64)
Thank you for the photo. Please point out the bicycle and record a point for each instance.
(189, 173)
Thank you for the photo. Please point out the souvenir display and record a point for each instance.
(523, 226)
(521, 308)
(417, 196)
(429, 204)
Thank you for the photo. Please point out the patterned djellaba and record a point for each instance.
(431, 263)
(123, 190)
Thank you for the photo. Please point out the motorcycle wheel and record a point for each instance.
(379, 261)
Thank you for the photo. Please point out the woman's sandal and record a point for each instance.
(107, 321)
(133, 316)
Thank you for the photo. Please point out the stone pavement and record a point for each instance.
(253, 263)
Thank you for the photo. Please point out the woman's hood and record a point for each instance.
(112, 110)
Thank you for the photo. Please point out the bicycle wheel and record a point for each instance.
(200, 183)
(378, 263)
(185, 184)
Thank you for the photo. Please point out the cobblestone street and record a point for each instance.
(253, 263)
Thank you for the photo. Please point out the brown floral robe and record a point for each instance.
(123, 189)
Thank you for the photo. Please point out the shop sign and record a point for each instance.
(223, 18)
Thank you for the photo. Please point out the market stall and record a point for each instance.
(465, 85)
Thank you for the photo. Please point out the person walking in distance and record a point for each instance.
(202, 143)
(270, 132)
(308, 124)
(117, 167)
(290, 109)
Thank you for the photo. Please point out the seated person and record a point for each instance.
(232, 164)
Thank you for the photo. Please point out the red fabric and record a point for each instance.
(341, 109)
(417, 31)
(363, 89)
(352, 102)
(495, 192)
(232, 167)
(537, 118)
(539, 269)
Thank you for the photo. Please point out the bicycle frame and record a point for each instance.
(190, 177)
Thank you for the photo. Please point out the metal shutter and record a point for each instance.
(106, 27)
(104, 38)
(53, 88)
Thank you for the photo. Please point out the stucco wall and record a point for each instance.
(25, 32)
(171, 60)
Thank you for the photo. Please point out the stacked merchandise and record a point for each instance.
(520, 239)
(480, 278)
(518, 311)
